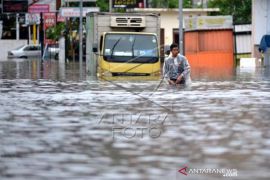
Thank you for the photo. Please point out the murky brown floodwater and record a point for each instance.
(53, 126)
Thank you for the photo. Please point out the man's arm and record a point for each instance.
(166, 69)
(185, 72)
(186, 68)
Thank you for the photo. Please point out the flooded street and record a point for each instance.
(57, 125)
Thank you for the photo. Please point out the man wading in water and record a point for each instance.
(176, 68)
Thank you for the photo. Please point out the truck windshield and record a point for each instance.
(131, 47)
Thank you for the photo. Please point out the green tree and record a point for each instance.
(170, 4)
(55, 31)
(103, 5)
(158, 4)
(239, 9)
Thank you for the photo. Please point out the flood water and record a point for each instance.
(55, 124)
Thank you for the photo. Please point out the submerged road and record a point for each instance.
(55, 126)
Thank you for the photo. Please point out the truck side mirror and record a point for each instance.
(95, 48)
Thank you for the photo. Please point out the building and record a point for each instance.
(260, 23)
(170, 22)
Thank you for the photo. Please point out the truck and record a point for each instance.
(122, 44)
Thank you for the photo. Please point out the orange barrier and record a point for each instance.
(211, 59)
(210, 49)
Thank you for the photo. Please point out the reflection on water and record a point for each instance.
(213, 74)
(130, 129)
(36, 69)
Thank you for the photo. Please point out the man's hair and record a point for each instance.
(173, 45)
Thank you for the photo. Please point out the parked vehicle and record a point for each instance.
(51, 51)
(25, 51)
(31, 50)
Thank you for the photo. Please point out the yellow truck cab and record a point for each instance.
(126, 53)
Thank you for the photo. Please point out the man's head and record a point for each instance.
(174, 49)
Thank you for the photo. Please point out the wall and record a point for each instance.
(260, 22)
(7, 45)
(243, 39)
(259, 19)
(169, 21)
(243, 44)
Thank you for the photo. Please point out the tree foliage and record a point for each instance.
(55, 31)
(239, 9)
(103, 5)
(170, 4)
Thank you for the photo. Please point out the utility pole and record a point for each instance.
(204, 5)
(180, 18)
(41, 35)
(17, 27)
(110, 4)
(81, 39)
